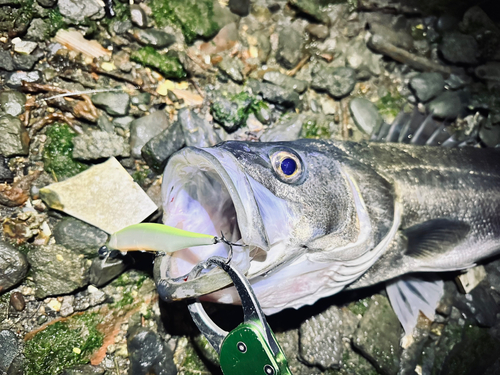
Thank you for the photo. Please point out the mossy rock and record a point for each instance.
(168, 64)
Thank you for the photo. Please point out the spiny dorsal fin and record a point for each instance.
(434, 237)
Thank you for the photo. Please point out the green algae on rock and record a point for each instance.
(390, 105)
(316, 128)
(194, 17)
(62, 345)
(168, 64)
(58, 150)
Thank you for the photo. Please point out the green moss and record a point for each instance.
(314, 128)
(140, 176)
(127, 299)
(56, 21)
(232, 111)
(359, 307)
(168, 65)
(52, 350)
(390, 105)
(194, 17)
(58, 150)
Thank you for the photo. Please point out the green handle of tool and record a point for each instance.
(245, 351)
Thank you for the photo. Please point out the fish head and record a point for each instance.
(281, 200)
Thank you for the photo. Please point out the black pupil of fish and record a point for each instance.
(288, 166)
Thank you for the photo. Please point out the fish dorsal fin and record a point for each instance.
(434, 237)
(409, 295)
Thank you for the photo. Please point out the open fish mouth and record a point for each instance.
(206, 191)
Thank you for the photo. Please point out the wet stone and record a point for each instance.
(138, 16)
(427, 86)
(98, 145)
(57, 270)
(15, 139)
(6, 61)
(365, 115)
(105, 125)
(78, 236)
(318, 31)
(289, 47)
(159, 148)
(77, 11)
(479, 305)
(123, 122)
(12, 102)
(489, 71)
(6, 174)
(148, 353)
(145, 128)
(378, 335)
(89, 298)
(9, 349)
(231, 114)
(362, 59)
(122, 27)
(275, 94)
(288, 129)
(233, 68)
(67, 306)
(155, 38)
(47, 3)
(312, 8)
(142, 98)
(459, 48)
(239, 7)
(84, 370)
(322, 346)
(448, 105)
(103, 272)
(115, 104)
(24, 46)
(14, 79)
(489, 134)
(26, 62)
(13, 266)
(197, 131)
(285, 81)
(17, 301)
(338, 82)
(39, 30)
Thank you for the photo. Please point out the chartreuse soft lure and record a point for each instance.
(156, 237)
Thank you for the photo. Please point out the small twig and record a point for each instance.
(49, 119)
(301, 63)
(193, 82)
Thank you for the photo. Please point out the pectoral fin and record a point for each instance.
(409, 295)
(434, 237)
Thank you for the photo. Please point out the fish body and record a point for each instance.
(319, 216)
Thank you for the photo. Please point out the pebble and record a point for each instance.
(231, 114)
(6, 174)
(318, 31)
(115, 104)
(155, 38)
(159, 148)
(490, 134)
(122, 27)
(378, 335)
(360, 58)
(15, 139)
(448, 105)
(17, 301)
(9, 349)
(197, 131)
(26, 62)
(67, 306)
(289, 47)
(275, 94)
(285, 81)
(57, 270)
(78, 236)
(233, 68)
(338, 82)
(13, 266)
(14, 79)
(23, 46)
(78, 11)
(312, 8)
(365, 115)
(108, 186)
(427, 86)
(148, 353)
(39, 30)
(105, 125)
(47, 3)
(141, 98)
(145, 128)
(287, 129)
(101, 272)
(321, 346)
(99, 144)
(90, 297)
(12, 102)
(6, 61)
(239, 7)
(123, 122)
(138, 15)
(459, 48)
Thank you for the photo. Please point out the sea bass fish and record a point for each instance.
(319, 216)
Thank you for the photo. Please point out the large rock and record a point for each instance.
(378, 335)
(13, 266)
(338, 82)
(197, 131)
(427, 86)
(15, 138)
(9, 350)
(79, 236)
(12, 102)
(57, 270)
(99, 145)
(114, 103)
(448, 105)
(459, 48)
(365, 115)
(289, 47)
(78, 11)
(145, 128)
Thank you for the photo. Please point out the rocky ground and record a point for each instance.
(83, 81)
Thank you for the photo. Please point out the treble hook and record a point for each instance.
(228, 243)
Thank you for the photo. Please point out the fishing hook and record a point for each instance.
(228, 243)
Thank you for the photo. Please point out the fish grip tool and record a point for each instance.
(251, 348)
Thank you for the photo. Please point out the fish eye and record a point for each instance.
(287, 166)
